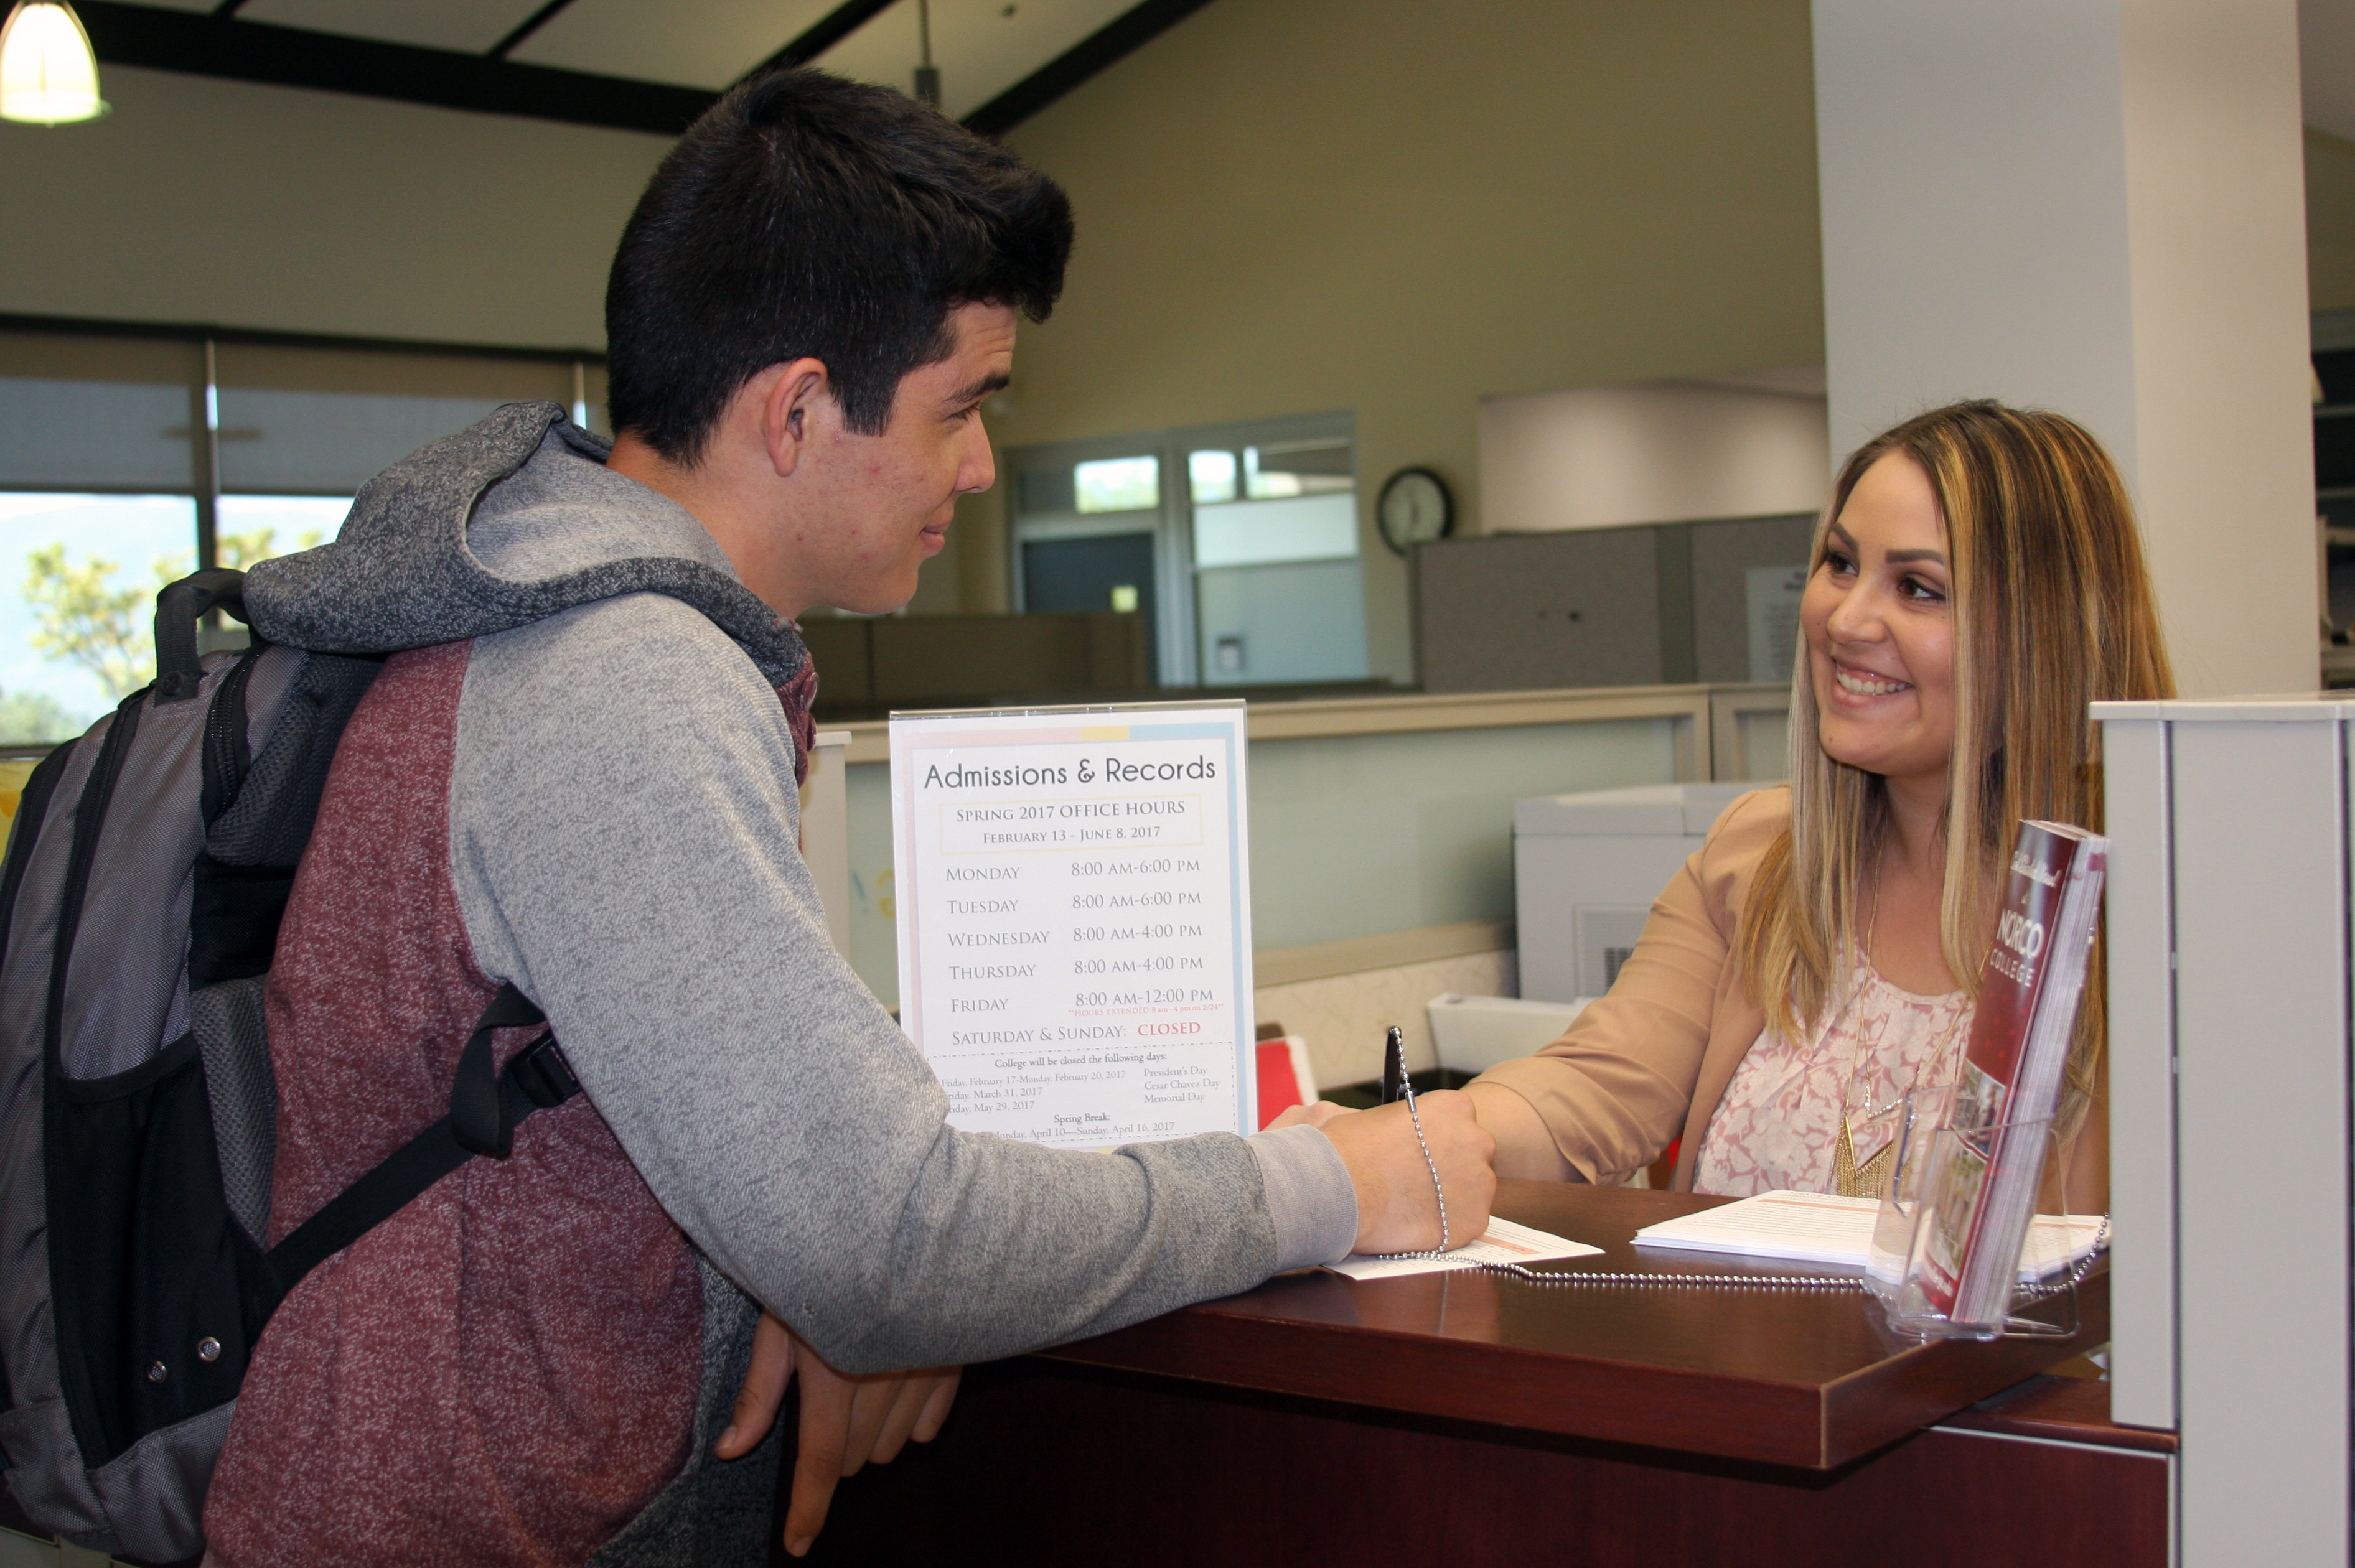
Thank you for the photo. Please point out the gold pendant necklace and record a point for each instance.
(1851, 1180)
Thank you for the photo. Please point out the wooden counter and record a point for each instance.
(1786, 1377)
(1472, 1418)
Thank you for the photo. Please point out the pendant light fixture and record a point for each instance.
(928, 75)
(48, 75)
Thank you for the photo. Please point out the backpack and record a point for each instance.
(140, 901)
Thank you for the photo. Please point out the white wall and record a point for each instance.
(237, 205)
(1600, 457)
(2096, 206)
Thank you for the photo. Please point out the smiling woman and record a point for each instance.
(1975, 583)
(1878, 622)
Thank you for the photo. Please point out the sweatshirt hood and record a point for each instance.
(508, 522)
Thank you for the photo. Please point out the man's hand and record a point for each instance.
(1397, 1211)
(845, 1421)
(1316, 1114)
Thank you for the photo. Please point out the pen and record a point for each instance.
(1393, 1066)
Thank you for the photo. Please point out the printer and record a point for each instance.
(1585, 870)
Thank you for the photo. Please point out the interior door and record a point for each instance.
(1108, 571)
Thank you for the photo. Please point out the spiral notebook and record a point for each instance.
(1821, 1227)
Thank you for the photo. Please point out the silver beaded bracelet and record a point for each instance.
(1414, 1113)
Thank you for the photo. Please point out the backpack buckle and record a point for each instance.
(541, 1072)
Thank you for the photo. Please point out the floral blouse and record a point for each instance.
(1780, 1119)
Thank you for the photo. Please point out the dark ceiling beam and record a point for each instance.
(822, 35)
(197, 332)
(1115, 41)
(526, 29)
(204, 43)
(218, 44)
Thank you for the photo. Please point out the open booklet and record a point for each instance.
(1502, 1242)
(1821, 1227)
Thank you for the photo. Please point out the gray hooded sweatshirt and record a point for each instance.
(581, 778)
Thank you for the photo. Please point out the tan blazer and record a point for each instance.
(1649, 1062)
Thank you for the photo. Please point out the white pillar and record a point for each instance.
(2094, 207)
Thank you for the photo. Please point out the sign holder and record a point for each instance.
(1074, 919)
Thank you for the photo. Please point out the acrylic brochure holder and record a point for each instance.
(1911, 1229)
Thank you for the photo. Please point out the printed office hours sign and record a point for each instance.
(1074, 916)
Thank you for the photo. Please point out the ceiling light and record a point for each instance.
(47, 73)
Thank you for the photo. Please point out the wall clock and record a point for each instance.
(1414, 509)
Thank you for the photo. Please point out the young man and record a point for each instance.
(581, 778)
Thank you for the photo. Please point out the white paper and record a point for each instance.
(1075, 919)
(1821, 1227)
(1772, 596)
(1502, 1242)
(1813, 1227)
(2056, 1241)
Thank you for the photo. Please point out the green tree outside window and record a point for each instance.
(84, 615)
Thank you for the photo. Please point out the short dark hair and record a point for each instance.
(803, 214)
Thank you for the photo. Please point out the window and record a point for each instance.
(252, 529)
(78, 603)
(1276, 470)
(1246, 574)
(124, 455)
(1117, 484)
(1316, 466)
(322, 421)
(1213, 476)
(1261, 533)
(1278, 594)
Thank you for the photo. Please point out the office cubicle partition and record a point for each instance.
(2229, 987)
(1714, 601)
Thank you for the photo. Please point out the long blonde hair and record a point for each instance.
(2052, 611)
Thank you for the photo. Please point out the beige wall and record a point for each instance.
(1393, 206)
(1399, 207)
(236, 204)
(1657, 452)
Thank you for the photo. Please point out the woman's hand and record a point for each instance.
(845, 1421)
